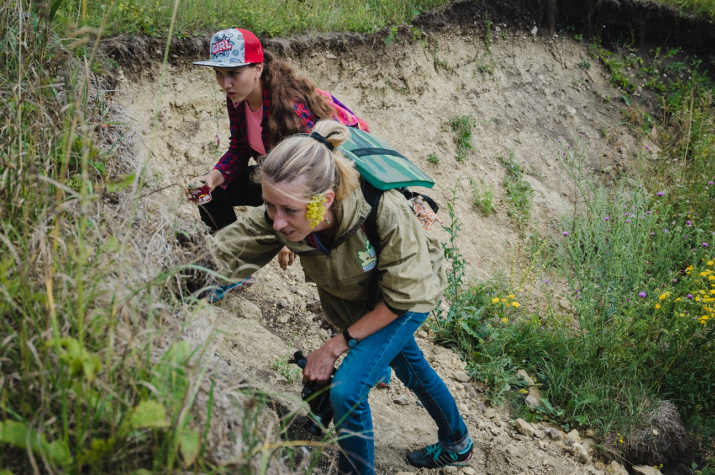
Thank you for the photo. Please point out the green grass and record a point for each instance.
(519, 193)
(263, 17)
(462, 127)
(102, 366)
(625, 313)
(702, 8)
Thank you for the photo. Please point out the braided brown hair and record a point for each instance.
(285, 87)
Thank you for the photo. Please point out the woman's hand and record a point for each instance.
(286, 257)
(214, 178)
(321, 362)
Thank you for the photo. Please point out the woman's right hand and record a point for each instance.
(214, 178)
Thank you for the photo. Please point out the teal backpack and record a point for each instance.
(382, 168)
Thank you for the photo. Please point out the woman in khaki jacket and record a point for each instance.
(314, 205)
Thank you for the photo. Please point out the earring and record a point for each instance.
(327, 220)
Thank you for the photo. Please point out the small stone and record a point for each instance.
(554, 434)
(247, 309)
(590, 433)
(525, 376)
(450, 470)
(524, 427)
(422, 334)
(574, 437)
(468, 471)
(490, 413)
(284, 319)
(580, 452)
(531, 402)
(616, 468)
(539, 434)
(461, 376)
(534, 31)
(283, 304)
(331, 56)
(401, 400)
(645, 470)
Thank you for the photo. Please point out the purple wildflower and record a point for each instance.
(647, 212)
(565, 233)
(710, 183)
(660, 193)
(705, 244)
(688, 223)
(666, 230)
(607, 218)
(642, 295)
(652, 233)
(628, 221)
(689, 297)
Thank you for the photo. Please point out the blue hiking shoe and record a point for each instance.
(435, 456)
(220, 291)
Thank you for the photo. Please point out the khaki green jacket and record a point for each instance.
(412, 275)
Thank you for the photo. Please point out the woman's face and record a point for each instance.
(239, 82)
(288, 214)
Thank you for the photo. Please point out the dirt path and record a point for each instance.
(525, 94)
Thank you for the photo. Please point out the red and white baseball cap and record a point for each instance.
(233, 48)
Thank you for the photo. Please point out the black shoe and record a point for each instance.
(434, 456)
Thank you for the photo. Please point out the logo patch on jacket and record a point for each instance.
(368, 259)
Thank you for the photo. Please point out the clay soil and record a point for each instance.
(529, 93)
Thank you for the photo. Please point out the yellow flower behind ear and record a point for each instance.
(315, 210)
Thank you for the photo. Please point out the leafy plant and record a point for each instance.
(433, 158)
(519, 193)
(462, 127)
(483, 199)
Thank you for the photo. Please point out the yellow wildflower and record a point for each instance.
(495, 300)
(316, 209)
(710, 263)
(512, 296)
(664, 296)
(516, 304)
(678, 299)
(504, 319)
(657, 305)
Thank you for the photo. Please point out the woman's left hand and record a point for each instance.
(285, 257)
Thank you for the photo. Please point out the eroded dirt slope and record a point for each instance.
(525, 94)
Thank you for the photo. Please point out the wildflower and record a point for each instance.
(647, 147)
(666, 230)
(689, 297)
(688, 223)
(652, 234)
(565, 233)
(664, 296)
(711, 263)
(547, 281)
(503, 300)
(516, 304)
(657, 306)
(660, 193)
(607, 218)
(315, 210)
(705, 244)
(495, 300)
(512, 296)
(642, 295)
(523, 391)
(504, 319)
(710, 183)
(647, 212)
(628, 221)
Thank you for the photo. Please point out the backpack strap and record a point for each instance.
(372, 196)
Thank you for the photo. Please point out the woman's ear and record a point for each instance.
(329, 198)
(258, 70)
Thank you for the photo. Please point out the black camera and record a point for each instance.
(317, 395)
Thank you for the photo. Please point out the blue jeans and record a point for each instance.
(362, 368)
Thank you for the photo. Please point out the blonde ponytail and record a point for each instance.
(311, 158)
